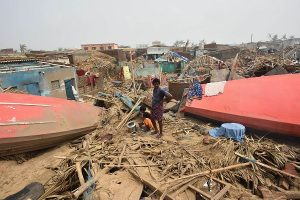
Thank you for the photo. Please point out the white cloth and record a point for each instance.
(212, 89)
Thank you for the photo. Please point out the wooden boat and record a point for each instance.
(269, 103)
(30, 122)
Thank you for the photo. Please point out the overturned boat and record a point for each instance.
(269, 103)
(29, 123)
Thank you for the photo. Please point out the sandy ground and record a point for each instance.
(14, 177)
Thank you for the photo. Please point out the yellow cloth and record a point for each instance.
(148, 123)
(126, 72)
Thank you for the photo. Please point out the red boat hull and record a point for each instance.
(269, 103)
(30, 122)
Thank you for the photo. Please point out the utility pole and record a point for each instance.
(133, 73)
(252, 41)
(282, 51)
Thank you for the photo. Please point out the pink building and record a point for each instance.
(101, 47)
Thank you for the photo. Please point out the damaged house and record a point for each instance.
(155, 52)
(221, 51)
(39, 78)
(172, 62)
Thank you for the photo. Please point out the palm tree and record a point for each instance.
(179, 43)
(23, 48)
(284, 37)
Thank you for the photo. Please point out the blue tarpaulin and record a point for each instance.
(127, 101)
(230, 130)
(173, 54)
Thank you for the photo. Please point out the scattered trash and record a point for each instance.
(131, 127)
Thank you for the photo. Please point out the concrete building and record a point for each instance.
(7, 51)
(141, 46)
(39, 78)
(101, 47)
(155, 52)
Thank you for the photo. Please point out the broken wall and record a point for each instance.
(224, 54)
(61, 75)
(43, 81)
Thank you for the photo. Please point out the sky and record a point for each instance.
(53, 24)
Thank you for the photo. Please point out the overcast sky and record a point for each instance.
(50, 24)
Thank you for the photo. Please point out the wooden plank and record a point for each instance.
(98, 98)
(150, 184)
(121, 155)
(200, 191)
(90, 182)
(184, 187)
(129, 114)
(221, 193)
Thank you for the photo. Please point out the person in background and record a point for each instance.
(157, 106)
(195, 90)
(147, 123)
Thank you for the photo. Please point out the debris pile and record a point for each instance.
(99, 62)
(13, 90)
(203, 64)
(186, 160)
(251, 64)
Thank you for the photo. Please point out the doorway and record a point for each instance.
(69, 91)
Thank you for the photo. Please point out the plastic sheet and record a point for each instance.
(230, 130)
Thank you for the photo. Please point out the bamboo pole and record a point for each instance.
(133, 73)
(266, 166)
(232, 70)
(240, 165)
(79, 173)
(129, 114)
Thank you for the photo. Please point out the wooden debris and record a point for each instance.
(268, 167)
(121, 156)
(169, 166)
(240, 165)
(125, 119)
(150, 184)
(90, 182)
(79, 173)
